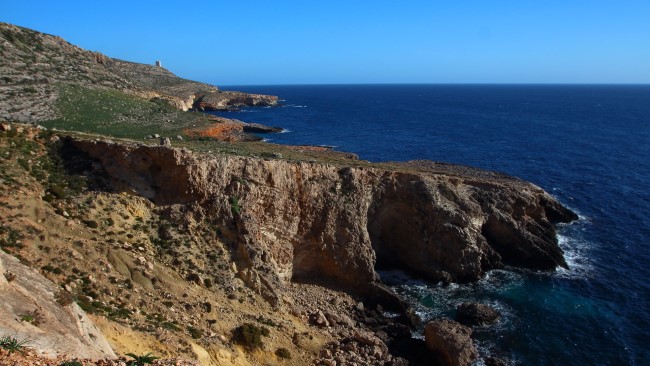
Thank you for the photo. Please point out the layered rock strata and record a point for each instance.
(332, 224)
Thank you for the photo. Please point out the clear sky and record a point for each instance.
(240, 42)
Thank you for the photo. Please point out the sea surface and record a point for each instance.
(589, 146)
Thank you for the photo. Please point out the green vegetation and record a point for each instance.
(250, 335)
(195, 332)
(10, 239)
(234, 205)
(141, 360)
(71, 363)
(117, 114)
(283, 353)
(12, 344)
(33, 317)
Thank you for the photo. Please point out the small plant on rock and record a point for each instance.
(12, 344)
(234, 205)
(33, 317)
(141, 360)
(71, 363)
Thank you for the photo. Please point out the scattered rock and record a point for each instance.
(165, 141)
(318, 318)
(179, 137)
(451, 342)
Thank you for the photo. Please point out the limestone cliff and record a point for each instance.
(334, 224)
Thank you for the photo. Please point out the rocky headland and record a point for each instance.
(37, 69)
(230, 253)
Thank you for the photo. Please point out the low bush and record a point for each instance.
(250, 335)
(283, 353)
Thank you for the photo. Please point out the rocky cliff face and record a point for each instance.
(332, 224)
(220, 100)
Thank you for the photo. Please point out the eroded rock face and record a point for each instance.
(225, 100)
(29, 310)
(308, 221)
(451, 342)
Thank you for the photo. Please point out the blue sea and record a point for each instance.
(589, 146)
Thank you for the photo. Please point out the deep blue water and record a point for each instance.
(587, 145)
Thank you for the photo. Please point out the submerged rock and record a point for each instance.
(476, 314)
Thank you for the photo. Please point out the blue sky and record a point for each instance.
(315, 42)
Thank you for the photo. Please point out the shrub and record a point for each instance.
(283, 353)
(71, 363)
(250, 335)
(91, 224)
(141, 360)
(64, 298)
(195, 333)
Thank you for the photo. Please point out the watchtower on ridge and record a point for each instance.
(158, 63)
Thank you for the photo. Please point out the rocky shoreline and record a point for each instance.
(289, 238)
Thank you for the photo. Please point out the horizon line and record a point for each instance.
(441, 84)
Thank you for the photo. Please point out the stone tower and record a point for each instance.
(158, 63)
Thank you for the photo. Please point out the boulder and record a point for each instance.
(450, 342)
(476, 314)
(61, 327)
(318, 318)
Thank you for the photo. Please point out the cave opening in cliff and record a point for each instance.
(393, 235)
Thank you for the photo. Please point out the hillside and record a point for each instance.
(45, 79)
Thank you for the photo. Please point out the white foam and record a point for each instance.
(576, 253)
(284, 130)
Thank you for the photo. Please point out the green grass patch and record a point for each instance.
(117, 114)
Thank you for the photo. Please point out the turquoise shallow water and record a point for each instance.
(589, 146)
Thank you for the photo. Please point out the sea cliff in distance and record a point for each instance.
(178, 234)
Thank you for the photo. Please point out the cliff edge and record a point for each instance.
(332, 224)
